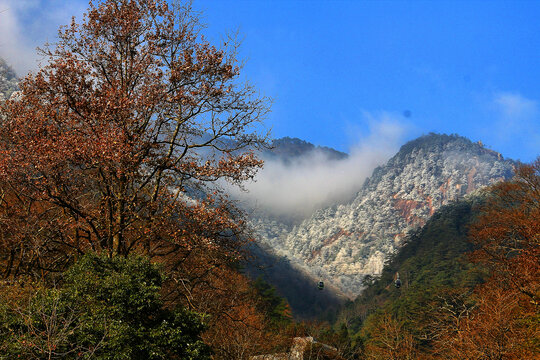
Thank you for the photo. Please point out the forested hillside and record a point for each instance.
(432, 260)
(468, 284)
(300, 290)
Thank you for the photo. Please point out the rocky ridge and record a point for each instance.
(341, 244)
(8, 80)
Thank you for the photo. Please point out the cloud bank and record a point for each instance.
(28, 24)
(307, 183)
(515, 107)
(516, 122)
(13, 47)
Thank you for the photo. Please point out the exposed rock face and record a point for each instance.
(343, 243)
(8, 80)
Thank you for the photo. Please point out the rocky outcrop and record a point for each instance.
(343, 243)
(303, 348)
(8, 80)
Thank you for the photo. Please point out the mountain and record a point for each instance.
(287, 149)
(431, 261)
(343, 243)
(8, 80)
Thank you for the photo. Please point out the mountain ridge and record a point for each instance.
(288, 148)
(343, 243)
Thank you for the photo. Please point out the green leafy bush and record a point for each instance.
(106, 308)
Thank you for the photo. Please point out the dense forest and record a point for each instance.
(118, 242)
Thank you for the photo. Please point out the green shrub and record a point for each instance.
(106, 308)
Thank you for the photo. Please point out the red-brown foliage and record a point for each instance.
(390, 340)
(110, 146)
(118, 144)
(505, 320)
(500, 326)
(508, 232)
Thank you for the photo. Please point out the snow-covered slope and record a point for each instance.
(8, 80)
(343, 243)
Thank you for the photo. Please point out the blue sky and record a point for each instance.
(340, 71)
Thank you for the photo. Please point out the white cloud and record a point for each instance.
(28, 24)
(298, 188)
(515, 124)
(517, 118)
(13, 47)
(515, 107)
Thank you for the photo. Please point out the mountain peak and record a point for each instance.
(343, 243)
(442, 142)
(432, 141)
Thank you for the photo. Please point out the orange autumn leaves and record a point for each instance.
(508, 233)
(116, 146)
(121, 136)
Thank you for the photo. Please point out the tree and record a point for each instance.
(504, 321)
(508, 232)
(116, 144)
(237, 329)
(388, 339)
(107, 308)
(274, 307)
(494, 329)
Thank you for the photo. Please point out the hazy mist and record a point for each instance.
(307, 183)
